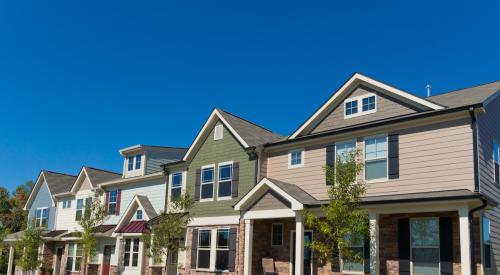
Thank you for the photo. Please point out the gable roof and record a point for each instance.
(56, 183)
(95, 176)
(247, 133)
(354, 81)
(139, 147)
(137, 201)
(468, 96)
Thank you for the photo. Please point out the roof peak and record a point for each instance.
(246, 120)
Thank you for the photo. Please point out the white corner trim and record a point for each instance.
(356, 78)
(215, 114)
(221, 220)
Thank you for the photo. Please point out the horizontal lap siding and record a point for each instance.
(43, 199)
(432, 158)
(488, 131)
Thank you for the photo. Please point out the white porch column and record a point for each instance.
(11, 260)
(299, 244)
(247, 261)
(374, 244)
(465, 257)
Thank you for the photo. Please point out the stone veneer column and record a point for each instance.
(374, 244)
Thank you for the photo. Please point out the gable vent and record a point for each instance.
(218, 133)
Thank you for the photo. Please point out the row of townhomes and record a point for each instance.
(431, 166)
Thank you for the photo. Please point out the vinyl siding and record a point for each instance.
(432, 158)
(214, 152)
(386, 107)
(269, 201)
(42, 200)
(488, 131)
(66, 217)
(154, 160)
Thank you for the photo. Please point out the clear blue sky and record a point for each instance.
(81, 79)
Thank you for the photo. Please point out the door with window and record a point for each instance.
(307, 253)
(132, 260)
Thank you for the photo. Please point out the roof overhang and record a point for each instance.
(131, 180)
(356, 80)
(81, 177)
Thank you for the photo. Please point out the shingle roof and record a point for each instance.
(422, 196)
(54, 233)
(98, 176)
(251, 133)
(296, 192)
(147, 206)
(59, 183)
(105, 227)
(468, 96)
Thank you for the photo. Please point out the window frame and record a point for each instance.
(177, 187)
(272, 234)
(131, 252)
(75, 257)
(424, 247)
(485, 243)
(219, 180)
(363, 104)
(211, 244)
(212, 248)
(79, 210)
(359, 100)
(42, 210)
(130, 163)
(217, 248)
(344, 142)
(385, 135)
(302, 158)
(137, 161)
(139, 211)
(115, 203)
(342, 263)
(210, 166)
(351, 101)
(218, 129)
(66, 204)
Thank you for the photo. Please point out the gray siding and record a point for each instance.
(489, 131)
(156, 158)
(270, 201)
(386, 107)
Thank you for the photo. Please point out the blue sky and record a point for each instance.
(81, 79)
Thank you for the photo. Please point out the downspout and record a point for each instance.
(471, 237)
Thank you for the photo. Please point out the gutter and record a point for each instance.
(475, 147)
(471, 236)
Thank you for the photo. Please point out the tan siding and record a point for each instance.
(386, 107)
(432, 158)
(269, 202)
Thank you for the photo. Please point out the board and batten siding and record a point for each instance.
(43, 200)
(386, 106)
(215, 152)
(432, 158)
(489, 131)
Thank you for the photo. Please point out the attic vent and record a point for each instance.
(218, 132)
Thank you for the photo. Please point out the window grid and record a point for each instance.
(130, 163)
(207, 183)
(138, 215)
(351, 107)
(376, 158)
(225, 179)
(368, 103)
(296, 158)
(222, 249)
(113, 197)
(176, 187)
(357, 246)
(204, 247)
(138, 159)
(424, 241)
(79, 209)
(131, 252)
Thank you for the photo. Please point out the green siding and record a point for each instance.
(214, 152)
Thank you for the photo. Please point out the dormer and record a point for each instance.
(140, 160)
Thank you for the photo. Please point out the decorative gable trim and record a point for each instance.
(130, 211)
(207, 128)
(81, 176)
(347, 87)
(39, 181)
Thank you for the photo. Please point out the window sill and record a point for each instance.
(206, 200)
(224, 198)
(295, 166)
(377, 180)
(353, 272)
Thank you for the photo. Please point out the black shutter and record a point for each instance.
(393, 140)
(446, 246)
(497, 173)
(367, 257)
(404, 246)
(232, 250)
(330, 161)
(335, 260)
(197, 184)
(194, 248)
(236, 179)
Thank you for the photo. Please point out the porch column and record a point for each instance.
(247, 260)
(299, 244)
(374, 244)
(11, 260)
(465, 257)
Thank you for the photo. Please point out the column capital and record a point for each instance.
(248, 221)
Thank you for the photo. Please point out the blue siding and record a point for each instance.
(43, 199)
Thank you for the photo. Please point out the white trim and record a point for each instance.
(127, 212)
(217, 220)
(386, 158)
(219, 129)
(269, 214)
(230, 196)
(465, 256)
(41, 217)
(353, 81)
(247, 254)
(79, 181)
(215, 114)
(302, 158)
(291, 251)
(360, 111)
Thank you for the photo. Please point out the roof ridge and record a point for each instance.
(102, 170)
(161, 146)
(59, 173)
(248, 121)
(465, 88)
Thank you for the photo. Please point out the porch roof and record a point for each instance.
(54, 233)
(459, 194)
(133, 227)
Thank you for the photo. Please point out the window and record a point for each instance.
(277, 234)
(138, 159)
(344, 149)
(130, 163)
(424, 241)
(376, 158)
(225, 179)
(222, 250)
(351, 108)
(357, 247)
(113, 197)
(176, 188)
(296, 158)
(204, 244)
(368, 103)
(218, 132)
(486, 242)
(131, 252)
(66, 204)
(496, 158)
(74, 257)
(79, 209)
(138, 215)
(207, 183)
(42, 217)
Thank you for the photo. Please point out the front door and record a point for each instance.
(172, 262)
(106, 261)
(307, 253)
(59, 255)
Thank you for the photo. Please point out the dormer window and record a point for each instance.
(134, 162)
(218, 132)
(138, 159)
(361, 105)
(130, 163)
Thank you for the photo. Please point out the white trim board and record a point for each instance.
(221, 220)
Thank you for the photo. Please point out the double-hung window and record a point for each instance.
(376, 158)
(66, 204)
(113, 196)
(131, 253)
(424, 242)
(486, 242)
(222, 250)
(79, 209)
(343, 150)
(204, 246)
(42, 217)
(351, 108)
(225, 180)
(176, 187)
(130, 165)
(134, 162)
(356, 246)
(138, 159)
(496, 161)
(296, 158)
(277, 234)
(73, 262)
(207, 183)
